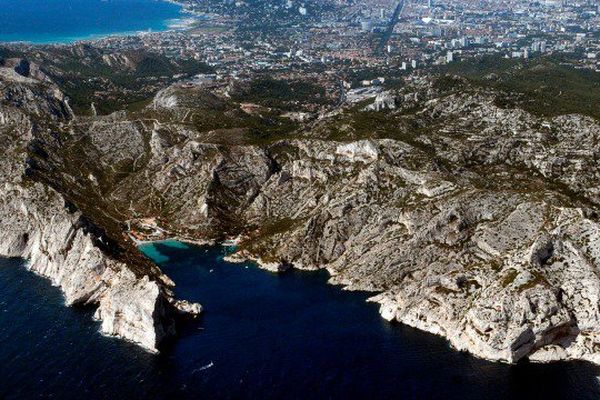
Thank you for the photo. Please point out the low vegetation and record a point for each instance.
(544, 86)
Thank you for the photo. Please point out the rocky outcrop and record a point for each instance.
(465, 219)
(56, 245)
(383, 101)
(481, 228)
(58, 241)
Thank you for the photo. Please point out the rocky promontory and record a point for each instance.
(465, 216)
(57, 240)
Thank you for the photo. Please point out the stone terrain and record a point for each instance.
(465, 218)
(58, 241)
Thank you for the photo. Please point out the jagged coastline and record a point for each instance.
(504, 268)
(57, 240)
(466, 219)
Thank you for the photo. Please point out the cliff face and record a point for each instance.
(466, 219)
(36, 226)
(58, 242)
(504, 272)
(474, 222)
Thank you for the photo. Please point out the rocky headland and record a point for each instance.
(58, 241)
(465, 217)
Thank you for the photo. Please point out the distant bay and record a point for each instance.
(66, 21)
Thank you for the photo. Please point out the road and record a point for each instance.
(390, 29)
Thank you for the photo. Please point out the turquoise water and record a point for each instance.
(263, 336)
(64, 21)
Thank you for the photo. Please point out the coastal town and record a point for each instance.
(356, 49)
(231, 37)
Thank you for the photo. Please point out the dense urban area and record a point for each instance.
(351, 50)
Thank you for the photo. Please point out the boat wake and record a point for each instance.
(204, 368)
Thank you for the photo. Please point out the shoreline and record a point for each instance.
(387, 311)
(193, 242)
(185, 21)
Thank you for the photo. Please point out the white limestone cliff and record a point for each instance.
(35, 226)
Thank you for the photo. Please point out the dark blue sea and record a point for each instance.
(64, 21)
(263, 336)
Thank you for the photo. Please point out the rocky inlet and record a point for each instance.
(466, 219)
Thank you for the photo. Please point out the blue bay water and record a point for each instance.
(262, 336)
(63, 21)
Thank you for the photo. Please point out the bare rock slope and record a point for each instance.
(471, 221)
(466, 219)
(58, 242)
